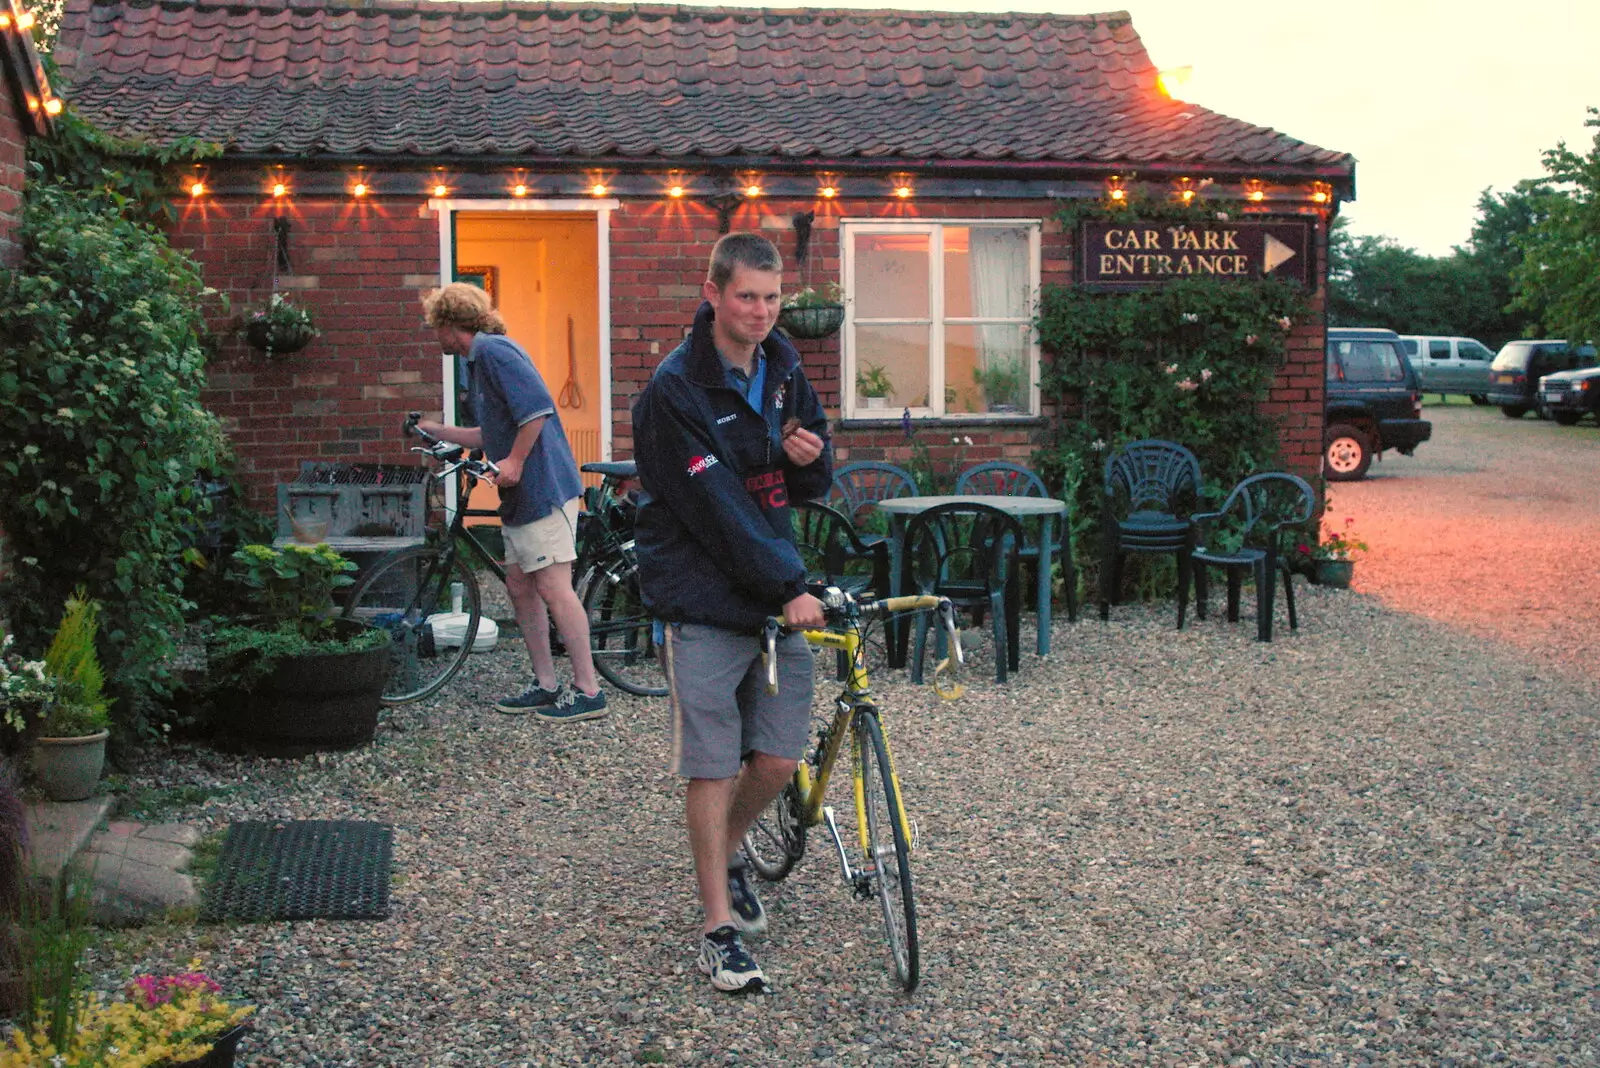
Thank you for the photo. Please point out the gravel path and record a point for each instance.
(1493, 526)
(1371, 842)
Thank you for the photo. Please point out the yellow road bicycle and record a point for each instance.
(778, 838)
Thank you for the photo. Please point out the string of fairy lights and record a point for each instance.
(1118, 189)
(22, 22)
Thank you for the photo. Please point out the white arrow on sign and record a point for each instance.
(1276, 254)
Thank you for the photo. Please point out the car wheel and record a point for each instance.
(1347, 454)
(1513, 411)
(1567, 418)
(1479, 399)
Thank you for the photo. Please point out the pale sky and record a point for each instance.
(1436, 99)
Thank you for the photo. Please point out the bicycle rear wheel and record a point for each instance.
(407, 593)
(889, 854)
(777, 840)
(620, 631)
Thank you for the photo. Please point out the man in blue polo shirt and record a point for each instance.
(520, 431)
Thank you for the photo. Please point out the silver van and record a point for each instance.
(1450, 365)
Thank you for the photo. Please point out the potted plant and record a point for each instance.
(1333, 559)
(296, 678)
(181, 1021)
(280, 327)
(873, 385)
(1002, 384)
(813, 312)
(60, 703)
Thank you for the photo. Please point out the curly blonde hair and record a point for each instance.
(464, 306)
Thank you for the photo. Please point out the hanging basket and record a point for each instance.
(277, 339)
(813, 321)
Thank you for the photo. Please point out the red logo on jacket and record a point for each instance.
(769, 490)
(698, 464)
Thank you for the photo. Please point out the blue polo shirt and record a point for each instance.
(507, 393)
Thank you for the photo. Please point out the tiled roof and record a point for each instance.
(395, 79)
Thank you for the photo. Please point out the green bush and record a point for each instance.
(81, 706)
(1190, 362)
(100, 375)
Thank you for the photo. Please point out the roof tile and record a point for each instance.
(404, 77)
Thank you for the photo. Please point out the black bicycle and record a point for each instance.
(427, 595)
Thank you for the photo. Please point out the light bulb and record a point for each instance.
(752, 190)
(675, 191)
(903, 191)
(197, 189)
(828, 192)
(279, 189)
(25, 21)
(598, 190)
(441, 190)
(359, 190)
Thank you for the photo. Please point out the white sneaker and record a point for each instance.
(723, 958)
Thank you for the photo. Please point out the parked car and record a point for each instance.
(1514, 375)
(1571, 395)
(1450, 365)
(1373, 402)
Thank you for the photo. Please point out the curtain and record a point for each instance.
(998, 265)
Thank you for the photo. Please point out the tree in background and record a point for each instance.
(1376, 281)
(1558, 279)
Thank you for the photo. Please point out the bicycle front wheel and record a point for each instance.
(408, 593)
(620, 631)
(888, 867)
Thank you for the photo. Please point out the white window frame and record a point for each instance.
(850, 227)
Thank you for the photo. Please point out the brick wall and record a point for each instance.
(11, 172)
(361, 266)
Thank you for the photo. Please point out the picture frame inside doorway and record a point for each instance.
(483, 278)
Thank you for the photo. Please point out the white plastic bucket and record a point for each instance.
(450, 627)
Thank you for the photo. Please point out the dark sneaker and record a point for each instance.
(574, 706)
(723, 958)
(748, 915)
(534, 697)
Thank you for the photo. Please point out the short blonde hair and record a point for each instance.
(464, 306)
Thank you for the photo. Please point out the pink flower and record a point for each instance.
(1205, 375)
(1188, 385)
(1172, 368)
(1250, 339)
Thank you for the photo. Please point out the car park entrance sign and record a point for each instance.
(1129, 254)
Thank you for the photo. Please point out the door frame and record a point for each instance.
(601, 208)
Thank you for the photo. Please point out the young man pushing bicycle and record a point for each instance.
(726, 433)
(519, 430)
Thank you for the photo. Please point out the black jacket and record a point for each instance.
(714, 537)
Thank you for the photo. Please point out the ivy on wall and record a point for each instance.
(1190, 362)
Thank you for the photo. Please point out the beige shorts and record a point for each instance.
(552, 540)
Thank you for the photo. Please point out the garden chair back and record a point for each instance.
(860, 485)
(1149, 487)
(1246, 534)
(970, 554)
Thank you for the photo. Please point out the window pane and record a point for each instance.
(1371, 361)
(1438, 350)
(986, 369)
(891, 276)
(895, 357)
(985, 272)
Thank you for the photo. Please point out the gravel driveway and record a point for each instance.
(1371, 842)
(1494, 526)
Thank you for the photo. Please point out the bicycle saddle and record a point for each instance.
(614, 469)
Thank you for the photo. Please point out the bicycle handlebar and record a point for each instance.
(453, 456)
(840, 607)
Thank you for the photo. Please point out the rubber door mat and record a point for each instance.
(301, 870)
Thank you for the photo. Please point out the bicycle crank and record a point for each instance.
(860, 881)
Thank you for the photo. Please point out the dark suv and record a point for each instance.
(1571, 395)
(1373, 402)
(1514, 375)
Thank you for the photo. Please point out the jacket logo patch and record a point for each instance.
(769, 490)
(728, 418)
(777, 398)
(698, 464)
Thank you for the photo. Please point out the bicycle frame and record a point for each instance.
(851, 702)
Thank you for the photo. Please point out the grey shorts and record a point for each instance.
(721, 709)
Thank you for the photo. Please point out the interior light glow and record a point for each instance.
(902, 191)
(1119, 194)
(1257, 195)
(675, 191)
(752, 190)
(520, 190)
